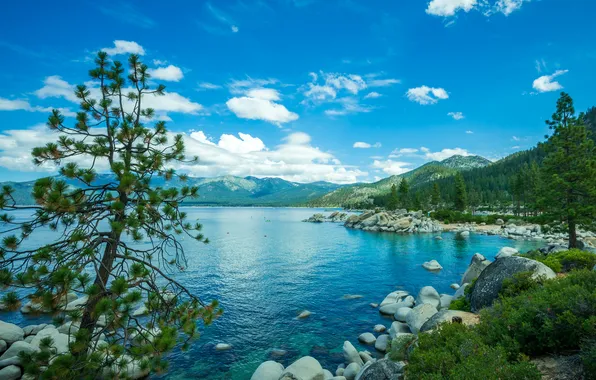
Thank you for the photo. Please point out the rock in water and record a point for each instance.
(350, 354)
(454, 286)
(398, 328)
(419, 315)
(429, 295)
(402, 314)
(306, 368)
(367, 338)
(489, 283)
(381, 343)
(223, 346)
(382, 370)
(11, 333)
(477, 265)
(432, 265)
(379, 328)
(268, 370)
(304, 314)
(444, 316)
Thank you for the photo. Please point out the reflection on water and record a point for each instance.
(265, 266)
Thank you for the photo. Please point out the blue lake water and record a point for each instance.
(265, 266)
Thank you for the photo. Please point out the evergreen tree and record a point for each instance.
(473, 201)
(417, 201)
(436, 196)
(116, 240)
(404, 190)
(569, 169)
(393, 199)
(461, 195)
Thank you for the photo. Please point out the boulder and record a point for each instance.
(365, 356)
(351, 371)
(15, 348)
(3, 346)
(398, 328)
(432, 265)
(392, 308)
(76, 304)
(33, 329)
(454, 286)
(499, 222)
(459, 293)
(223, 347)
(429, 295)
(394, 297)
(477, 265)
(446, 301)
(268, 370)
(489, 283)
(381, 343)
(11, 333)
(60, 340)
(350, 354)
(367, 338)
(506, 252)
(305, 368)
(379, 328)
(464, 233)
(402, 314)
(419, 315)
(12, 372)
(382, 370)
(443, 316)
(304, 314)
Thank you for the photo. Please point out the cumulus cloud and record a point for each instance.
(392, 167)
(125, 47)
(169, 73)
(259, 104)
(364, 145)
(426, 95)
(456, 115)
(23, 105)
(547, 83)
(445, 153)
(447, 8)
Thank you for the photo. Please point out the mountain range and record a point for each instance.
(253, 191)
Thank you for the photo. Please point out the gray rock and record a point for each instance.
(367, 338)
(419, 315)
(432, 265)
(398, 328)
(305, 368)
(477, 265)
(401, 314)
(499, 222)
(3, 346)
(394, 297)
(268, 370)
(464, 233)
(506, 252)
(446, 301)
(60, 340)
(33, 329)
(77, 304)
(131, 370)
(351, 371)
(365, 356)
(489, 283)
(15, 348)
(328, 375)
(12, 372)
(429, 295)
(382, 370)
(390, 309)
(443, 316)
(142, 310)
(379, 328)
(11, 333)
(304, 314)
(381, 343)
(223, 347)
(459, 293)
(454, 286)
(350, 354)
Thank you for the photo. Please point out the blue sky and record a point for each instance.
(307, 90)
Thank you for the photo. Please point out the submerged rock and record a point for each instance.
(223, 346)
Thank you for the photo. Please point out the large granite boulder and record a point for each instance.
(367, 338)
(381, 343)
(432, 265)
(268, 370)
(382, 370)
(305, 368)
(477, 265)
(489, 283)
(15, 348)
(419, 315)
(398, 328)
(352, 371)
(11, 372)
(506, 252)
(443, 316)
(11, 333)
(60, 340)
(351, 354)
(390, 309)
(393, 297)
(429, 295)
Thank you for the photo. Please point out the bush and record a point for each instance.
(399, 347)
(520, 282)
(555, 317)
(564, 261)
(461, 304)
(588, 356)
(456, 351)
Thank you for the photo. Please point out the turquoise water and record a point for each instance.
(265, 266)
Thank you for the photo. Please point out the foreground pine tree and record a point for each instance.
(569, 190)
(117, 239)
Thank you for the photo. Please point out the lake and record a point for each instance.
(265, 266)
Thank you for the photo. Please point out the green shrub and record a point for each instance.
(456, 351)
(555, 317)
(461, 304)
(520, 282)
(564, 261)
(588, 355)
(399, 347)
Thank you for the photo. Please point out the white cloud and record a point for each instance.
(160, 62)
(349, 105)
(515, 138)
(372, 95)
(392, 167)
(382, 82)
(247, 107)
(546, 83)
(364, 145)
(235, 29)
(445, 153)
(125, 47)
(426, 95)
(456, 115)
(23, 105)
(56, 87)
(508, 6)
(470, 132)
(241, 86)
(209, 86)
(448, 8)
(169, 73)
(424, 149)
(264, 93)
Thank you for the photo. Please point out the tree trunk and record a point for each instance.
(572, 234)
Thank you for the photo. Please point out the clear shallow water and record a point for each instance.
(265, 266)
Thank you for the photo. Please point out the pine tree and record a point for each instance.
(417, 201)
(461, 196)
(116, 240)
(436, 196)
(393, 199)
(404, 190)
(569, 192)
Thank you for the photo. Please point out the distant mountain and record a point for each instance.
(362, 194)
(222, 191)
